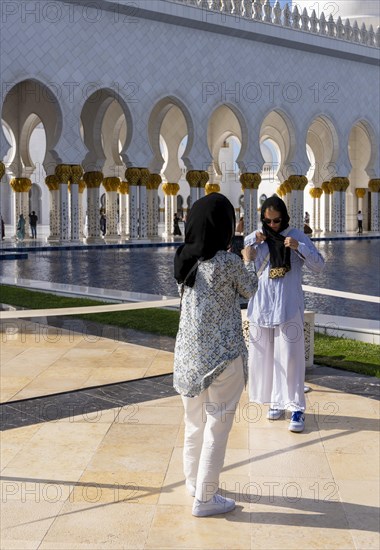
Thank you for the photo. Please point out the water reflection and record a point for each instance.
(351, 266)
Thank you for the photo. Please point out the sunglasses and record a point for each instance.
(275, 220)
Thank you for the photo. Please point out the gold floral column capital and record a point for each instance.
(52, 182)
(111, 183)
(193, 177)
(374, 185)
(144, 176)
(63, 172)
(298, 183)
(212, 188)
(76, 173)
(360, 192)
(280, 191)
(327, 188)
(93, 179)
(316, 192)
(170, 188)
(204, 178)
(155, 181)
(124, 188)
(2, 169)
(20, 185)
(250, 180)
(340, 183)
(132, 175)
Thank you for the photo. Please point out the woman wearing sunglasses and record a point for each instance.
(277, 348)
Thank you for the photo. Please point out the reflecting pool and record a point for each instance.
(351, 266)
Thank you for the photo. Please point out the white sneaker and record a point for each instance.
(274, 414)
(191, 488)
(297, 422)
(217, 505)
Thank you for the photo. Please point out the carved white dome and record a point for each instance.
(364, 11)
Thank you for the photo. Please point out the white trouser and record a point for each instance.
(208, 421)
(277, 365)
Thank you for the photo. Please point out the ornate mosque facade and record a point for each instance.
(138, 108)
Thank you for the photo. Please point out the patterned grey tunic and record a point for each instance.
(210, 331)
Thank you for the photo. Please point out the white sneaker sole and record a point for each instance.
(296, 428)
(204, 513)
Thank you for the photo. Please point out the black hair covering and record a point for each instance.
(279, 254)
(210, 227)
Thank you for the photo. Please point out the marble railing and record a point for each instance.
(272, 13)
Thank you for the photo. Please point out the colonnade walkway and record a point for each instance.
(91, 454)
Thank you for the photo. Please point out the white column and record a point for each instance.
(93, 216)
(143, 208)
(255, 214)
(63, 172)
(93, 181)
(21, 188)
(111, 215)
(76, 173)
(327, 212)
(318, 224)
(150, 221)
(127, 215)
(168, 216)
(173, 209)
(193, 196)
(248, 221)
(74, 211)
(335, 212)
(133, 212)
(201, 193)
(300, 201)
(52, 183)
(80, 214)
(123, 214)
(64, 234)
(375, 208)
(314, 215)
(293, 208)
(342, 211)
(155, 212)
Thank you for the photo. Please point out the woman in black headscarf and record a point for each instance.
(277, 349)
(210, 357)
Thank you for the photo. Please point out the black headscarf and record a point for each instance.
(210, 227)
(279, 254)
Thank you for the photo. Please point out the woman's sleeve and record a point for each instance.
(250, 240)
(246, 279)
(310, 255)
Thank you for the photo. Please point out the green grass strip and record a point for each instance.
(154, 320)
(340, 353)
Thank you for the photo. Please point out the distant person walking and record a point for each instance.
(33, 219)
(360, 221)
(103, 223)
(176, 228)
(240, 226)
(20, 234)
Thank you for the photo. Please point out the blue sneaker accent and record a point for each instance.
(297, 422)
